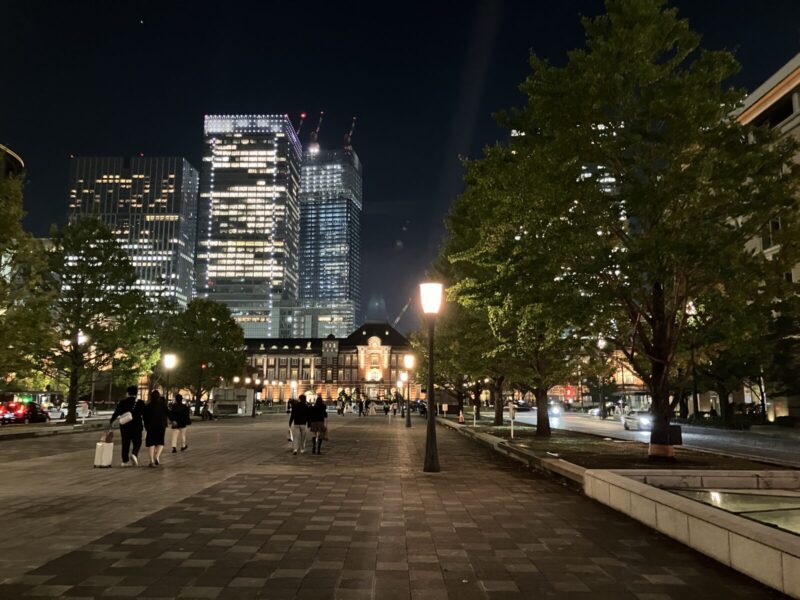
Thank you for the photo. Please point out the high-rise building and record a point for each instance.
(330, 242)
(250, 218)
(150, 203)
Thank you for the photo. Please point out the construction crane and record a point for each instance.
(300, 125)
(313, 144)
(348, 137)
(402, 312)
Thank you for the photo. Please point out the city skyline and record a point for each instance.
(411, 120)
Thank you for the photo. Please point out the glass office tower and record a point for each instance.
(250, 217)
(330, 243)
(150, 203)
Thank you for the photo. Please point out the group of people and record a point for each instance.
(152, 417)
(304, 418)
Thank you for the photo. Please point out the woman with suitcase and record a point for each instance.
(156, 418)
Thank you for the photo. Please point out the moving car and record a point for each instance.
(638, 420)
(19, 412)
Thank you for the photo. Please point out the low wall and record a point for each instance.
(749, 480)
(768, 555)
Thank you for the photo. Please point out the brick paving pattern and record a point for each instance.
(361, 522)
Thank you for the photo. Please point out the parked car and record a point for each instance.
(57, 412)
(638, 420)
(522, 405)
(19, 412)
(594, 412)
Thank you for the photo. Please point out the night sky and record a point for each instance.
(119, 78)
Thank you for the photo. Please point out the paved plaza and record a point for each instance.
(237, 516)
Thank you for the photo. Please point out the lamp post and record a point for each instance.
(169, 360)
(258, 387)
(408, 363)
(404, 387)
(431, 299)
(691, 310)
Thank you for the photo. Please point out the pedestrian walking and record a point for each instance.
(385, 408)
(360, 408)
(129, 413)
(181, 417)
(318, 424)
(297, 424)
(156, 419)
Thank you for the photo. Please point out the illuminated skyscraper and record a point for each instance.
(330, 242)
(150, 203)
(250, 217)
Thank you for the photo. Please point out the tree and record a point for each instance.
(461, 336)
(631, 170)
(100, 320)
(25, 291)
(208, 343)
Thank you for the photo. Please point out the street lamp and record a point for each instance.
(408, 363)
(402, 384)
(169, 360)
(236, 379)
(431, 299)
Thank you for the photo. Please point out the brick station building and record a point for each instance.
(369, 360)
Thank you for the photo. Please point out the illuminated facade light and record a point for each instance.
(249, 216)
(150, 205)
(330, 243)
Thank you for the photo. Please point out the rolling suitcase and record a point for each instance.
(103, 454)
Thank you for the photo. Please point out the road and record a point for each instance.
(779, 446)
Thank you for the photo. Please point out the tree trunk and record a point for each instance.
(477, 401)
(684, 405)
(725, 407)
(660, 444)
(497, 396)
(72, 396)
(542, 416)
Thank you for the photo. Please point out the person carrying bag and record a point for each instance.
(128, 414)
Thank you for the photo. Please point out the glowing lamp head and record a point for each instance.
(403, 377)
(431, 297)
(247, 380)
(170, 360)
(236, 379)
(408, 361)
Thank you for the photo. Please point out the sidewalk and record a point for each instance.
(237, 516)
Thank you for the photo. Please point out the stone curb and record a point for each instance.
(561, 469)
(55, 430)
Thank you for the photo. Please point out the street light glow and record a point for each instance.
(170, 360)
(236, 379)
(408, 361)
(431, 297)
(403, 376)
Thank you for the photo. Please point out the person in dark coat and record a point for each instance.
(181, 417)
(297, 423)
(130, 432)
(156, 418)
(318, 423)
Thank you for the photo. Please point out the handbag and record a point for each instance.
(125, 418)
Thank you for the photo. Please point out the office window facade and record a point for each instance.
(248, 255)
(150, 204)
(330, 243)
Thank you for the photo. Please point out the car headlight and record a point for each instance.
(556, 410)
(644, 420)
